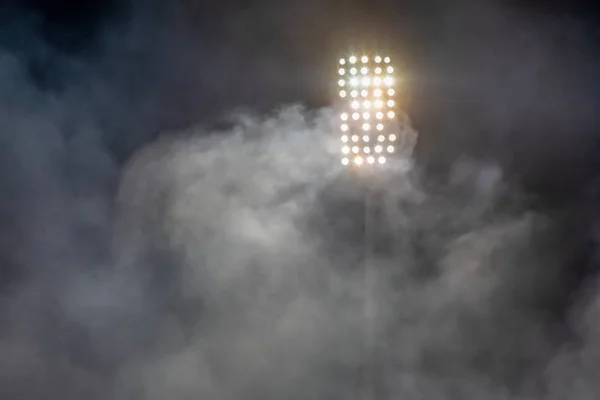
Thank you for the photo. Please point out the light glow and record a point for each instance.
(368, 93)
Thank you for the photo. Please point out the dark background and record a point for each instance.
(465, 66)
(509, 81)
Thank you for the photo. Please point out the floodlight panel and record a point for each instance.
(371, 94)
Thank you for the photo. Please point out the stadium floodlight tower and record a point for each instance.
(369, 134)
(368, 128)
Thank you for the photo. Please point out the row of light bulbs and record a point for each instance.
(365, 70)
(366, 138)
(365, 127)
(364, 60)
(365, 93)
(367, 150)
(358, 160)
(366, 115)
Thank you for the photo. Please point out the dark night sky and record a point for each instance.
(293, 42)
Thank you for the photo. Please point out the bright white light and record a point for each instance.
(390, 103)
(378, 103)
(378, 149)
(366, 150)
(378, 70)
(370, 159)
(390, 70)
(345, 149)
(345, 161)
(342, 93)
(342, 82)
(355, 116)
(353, 71)
(381, 138)
(352, 60)
(355, 105)
(354, 81)
(377, 81)
(391, 92)
(355, 138)
(366, 127)
(366, 115)
(364, 59)
(379, 115)
(364, 70)
(377, 59)
(381, 160)
(342, 61)
(379, 127)
(366, 138)
(364, 93)
(388, 80)
(344, 117)
(344, 128)
(366, 81)
(386, 60)
(354, 93)
(341, 71)
(392, 137)
(377, 92)
(391, 114)
(390, 149)
(355, 149)
(358, 160)
(344, 139)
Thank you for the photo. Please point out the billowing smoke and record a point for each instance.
(269, 241)
(228, 263)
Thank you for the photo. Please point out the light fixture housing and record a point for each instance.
(371, 77)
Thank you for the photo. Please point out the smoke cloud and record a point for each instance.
(226, 261)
